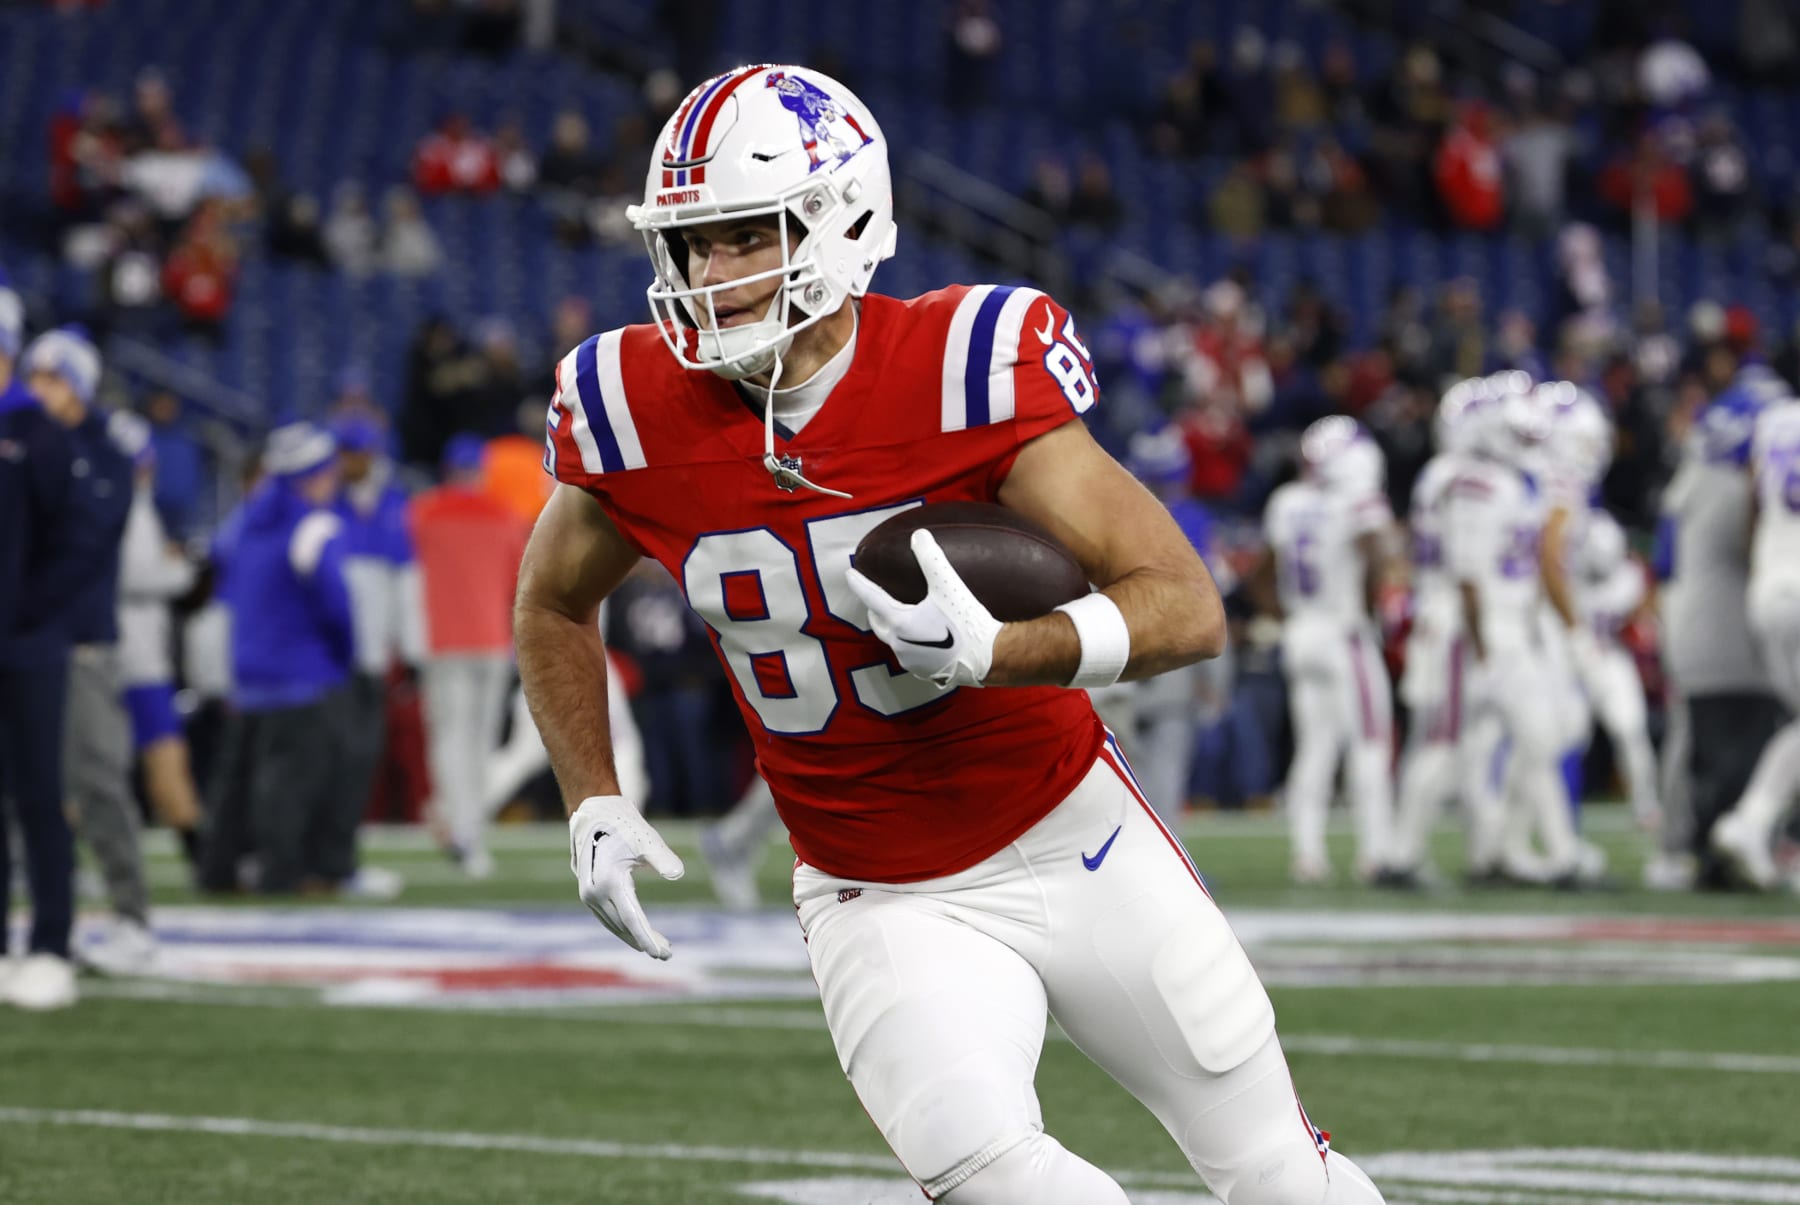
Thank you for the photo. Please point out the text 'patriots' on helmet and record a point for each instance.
(1336, 452)
(766, 140)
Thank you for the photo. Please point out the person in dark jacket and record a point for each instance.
(46, 555)
(97, 754)
(292, 651)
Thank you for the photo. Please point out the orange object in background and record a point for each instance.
(512, 471)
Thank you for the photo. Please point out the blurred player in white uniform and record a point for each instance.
(1325, 533)
(1493, 522)
(1438, 763)
(1744, 835)
(1612, 587)
(1574, 458)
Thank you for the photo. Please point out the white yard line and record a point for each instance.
(1470, 1177)
(248, 1127)
(1552, 1056)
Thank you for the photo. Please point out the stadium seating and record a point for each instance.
(239, 72)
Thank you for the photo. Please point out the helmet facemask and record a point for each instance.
(686, 313)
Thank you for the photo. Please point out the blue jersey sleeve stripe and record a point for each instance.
(593, 406)
(981, 354)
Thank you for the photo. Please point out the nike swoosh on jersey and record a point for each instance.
(1047, 336)
(948, 640)
(1093, 863)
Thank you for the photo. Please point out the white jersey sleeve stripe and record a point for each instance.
(602, 426)
(618, 411)
(1004, 353)
(956, 359)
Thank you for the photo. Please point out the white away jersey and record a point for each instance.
(1434, 593)
(1775, 463)
(1493, 519)
(1313, 533)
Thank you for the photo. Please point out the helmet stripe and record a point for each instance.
(673, 151)
(687, 126)
(708, 112)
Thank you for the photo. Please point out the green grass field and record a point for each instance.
(1619, 1047)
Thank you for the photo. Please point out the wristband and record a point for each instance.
(1105, 640)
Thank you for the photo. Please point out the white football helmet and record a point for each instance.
(1515, 425)
(1581, 441)
(1337, 453)
(1458, 413)
(766, 140)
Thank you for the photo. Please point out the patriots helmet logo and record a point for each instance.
(820, 119)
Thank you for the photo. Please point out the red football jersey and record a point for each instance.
(879, 775)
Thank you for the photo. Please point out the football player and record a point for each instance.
(1613, 587)
(1745, 835)
(1439, 762)
(1573, 459)
(1325, 533)
(1728, 709)
(1493, 522)
(968, 856)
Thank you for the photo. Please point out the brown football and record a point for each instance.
(1015, 567)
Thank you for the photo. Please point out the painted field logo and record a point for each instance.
(488, 957)
(1528, 1177)
(444, 958)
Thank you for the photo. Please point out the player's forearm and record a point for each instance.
(562, 665)
(1471, 607)
(1553, 569)
(1174, 620)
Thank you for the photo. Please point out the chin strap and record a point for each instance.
(787, 476)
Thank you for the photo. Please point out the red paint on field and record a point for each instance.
(524, 976)
(1774, 932)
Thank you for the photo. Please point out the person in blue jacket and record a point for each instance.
(292, 651)
(385, 596)
(52, 544)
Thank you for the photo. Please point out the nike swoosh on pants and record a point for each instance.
(1093, 863)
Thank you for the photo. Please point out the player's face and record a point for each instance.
(354, 466)
(721, 252)
(57, 397)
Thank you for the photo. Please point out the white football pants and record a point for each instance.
(1617, 695)
(1776, 780)
(1451, 752)
(1531, 705)
(464, 696)
(935, 994)
(1338, 698)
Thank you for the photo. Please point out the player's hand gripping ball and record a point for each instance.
(940, 580)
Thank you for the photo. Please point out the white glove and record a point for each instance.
(947, 637)
(608, 840)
